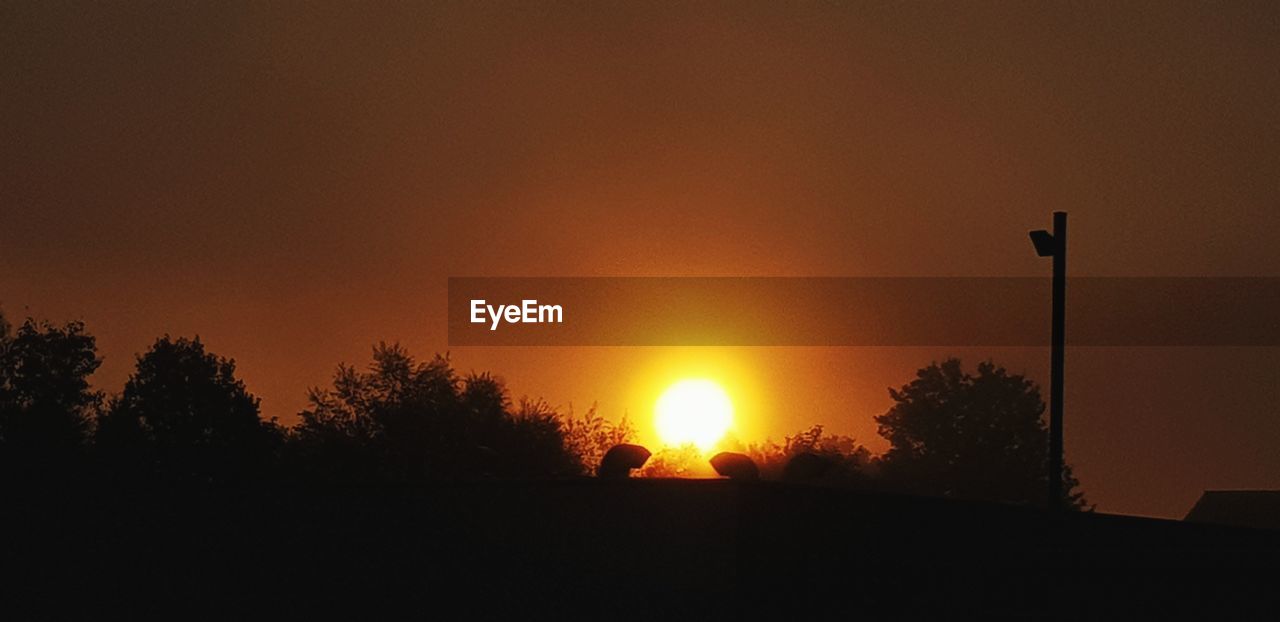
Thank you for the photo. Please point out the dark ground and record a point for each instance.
(633, 549)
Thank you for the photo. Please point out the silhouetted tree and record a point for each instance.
(534, 444)
(847, 461)
(46, 405)
(185, 415)
(978, 437)
(405, 420)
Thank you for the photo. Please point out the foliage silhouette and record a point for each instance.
(591, 436)
(953, 434)
(46, 404)
(849, 463)
(401, 420)
(680, 461)
(184, 416)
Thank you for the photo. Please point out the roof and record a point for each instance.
(1241, 508)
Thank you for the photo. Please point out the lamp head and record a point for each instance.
(1045, 244)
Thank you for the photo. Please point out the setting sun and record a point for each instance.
(694, 411)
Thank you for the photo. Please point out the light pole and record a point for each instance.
(1055, 245)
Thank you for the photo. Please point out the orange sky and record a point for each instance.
(296, 182)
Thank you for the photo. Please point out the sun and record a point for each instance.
(693, 411)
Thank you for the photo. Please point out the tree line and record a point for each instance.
(183, 417)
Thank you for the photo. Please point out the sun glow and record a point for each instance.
(693, 411)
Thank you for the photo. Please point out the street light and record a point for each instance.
(1055, 245)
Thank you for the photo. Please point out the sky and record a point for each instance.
(294, 182)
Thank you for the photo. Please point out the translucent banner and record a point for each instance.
(888, 311)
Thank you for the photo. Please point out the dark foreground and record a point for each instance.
(674, 549)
